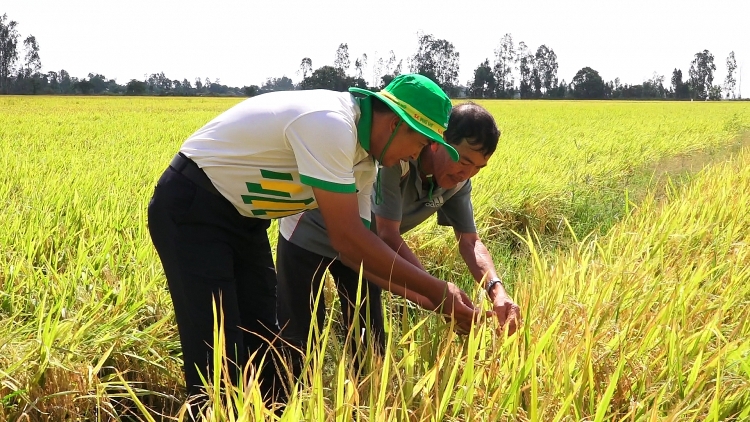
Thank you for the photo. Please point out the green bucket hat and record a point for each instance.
(420, 103)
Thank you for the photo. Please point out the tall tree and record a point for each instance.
(377, 70)
(654, 87)
(342, 61)
(305, 67)
(186, 85)
(277, 84)
(328, 77)
(385, 80)
(250, 91)
(99, 83)
(392, 69)
(680, 89)
(32, 60)
(158, 83)
(483, 85)
(438, 60)
(28, 79)
(536, 82)
(390, 64)
(66, 83)
(83, 86)
(587, 84)
(216, 87)
(561, 91)
(136, 87)
(54, 81)
(8, 51)
(359, 65)
(505, 58)
(546, 63)
(729, 81)
(702, 74)
(526, 64)
(714, 93)
(115, 88)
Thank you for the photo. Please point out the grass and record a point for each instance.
(633, 305)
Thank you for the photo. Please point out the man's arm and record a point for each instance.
(407, 294)
(480, 264)
(387, 217)
(476, 256)
(390, 232)
(357, 244)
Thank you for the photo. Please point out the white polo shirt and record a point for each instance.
(266, 153)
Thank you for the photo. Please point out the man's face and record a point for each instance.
(449, 173)
(406, 145)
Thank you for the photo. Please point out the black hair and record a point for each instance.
(379, 106)
(472, 123)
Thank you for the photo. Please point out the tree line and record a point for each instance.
(518, 72)
(514, 71)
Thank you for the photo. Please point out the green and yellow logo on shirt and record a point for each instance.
(275, 189)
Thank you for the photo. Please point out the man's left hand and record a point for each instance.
(507, 313)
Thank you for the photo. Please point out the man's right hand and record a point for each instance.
(358, 245)
(456, 304)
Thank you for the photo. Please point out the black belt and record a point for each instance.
(195, 174)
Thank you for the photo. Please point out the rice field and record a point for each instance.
(621, 227)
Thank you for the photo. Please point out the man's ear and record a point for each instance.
(394, 121)
(434, 146)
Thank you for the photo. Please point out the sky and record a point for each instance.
(245, 42)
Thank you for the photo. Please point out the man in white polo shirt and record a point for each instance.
(272, 156)
(411, 192)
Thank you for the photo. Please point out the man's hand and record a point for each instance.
(479, 261)
(507, 313)
(456, 304)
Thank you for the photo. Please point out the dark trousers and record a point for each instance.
(300, 273)
(212, 254)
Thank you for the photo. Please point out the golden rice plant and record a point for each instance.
(649, 322)
(628, 325)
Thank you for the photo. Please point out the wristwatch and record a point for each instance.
(491, 283)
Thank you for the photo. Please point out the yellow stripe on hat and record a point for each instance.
(415, 114)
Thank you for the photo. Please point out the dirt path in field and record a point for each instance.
(683, 166)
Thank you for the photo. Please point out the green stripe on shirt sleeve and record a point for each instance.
(329, 186)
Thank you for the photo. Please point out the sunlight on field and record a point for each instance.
(554, 156)
(646, 318)
(651, 320)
